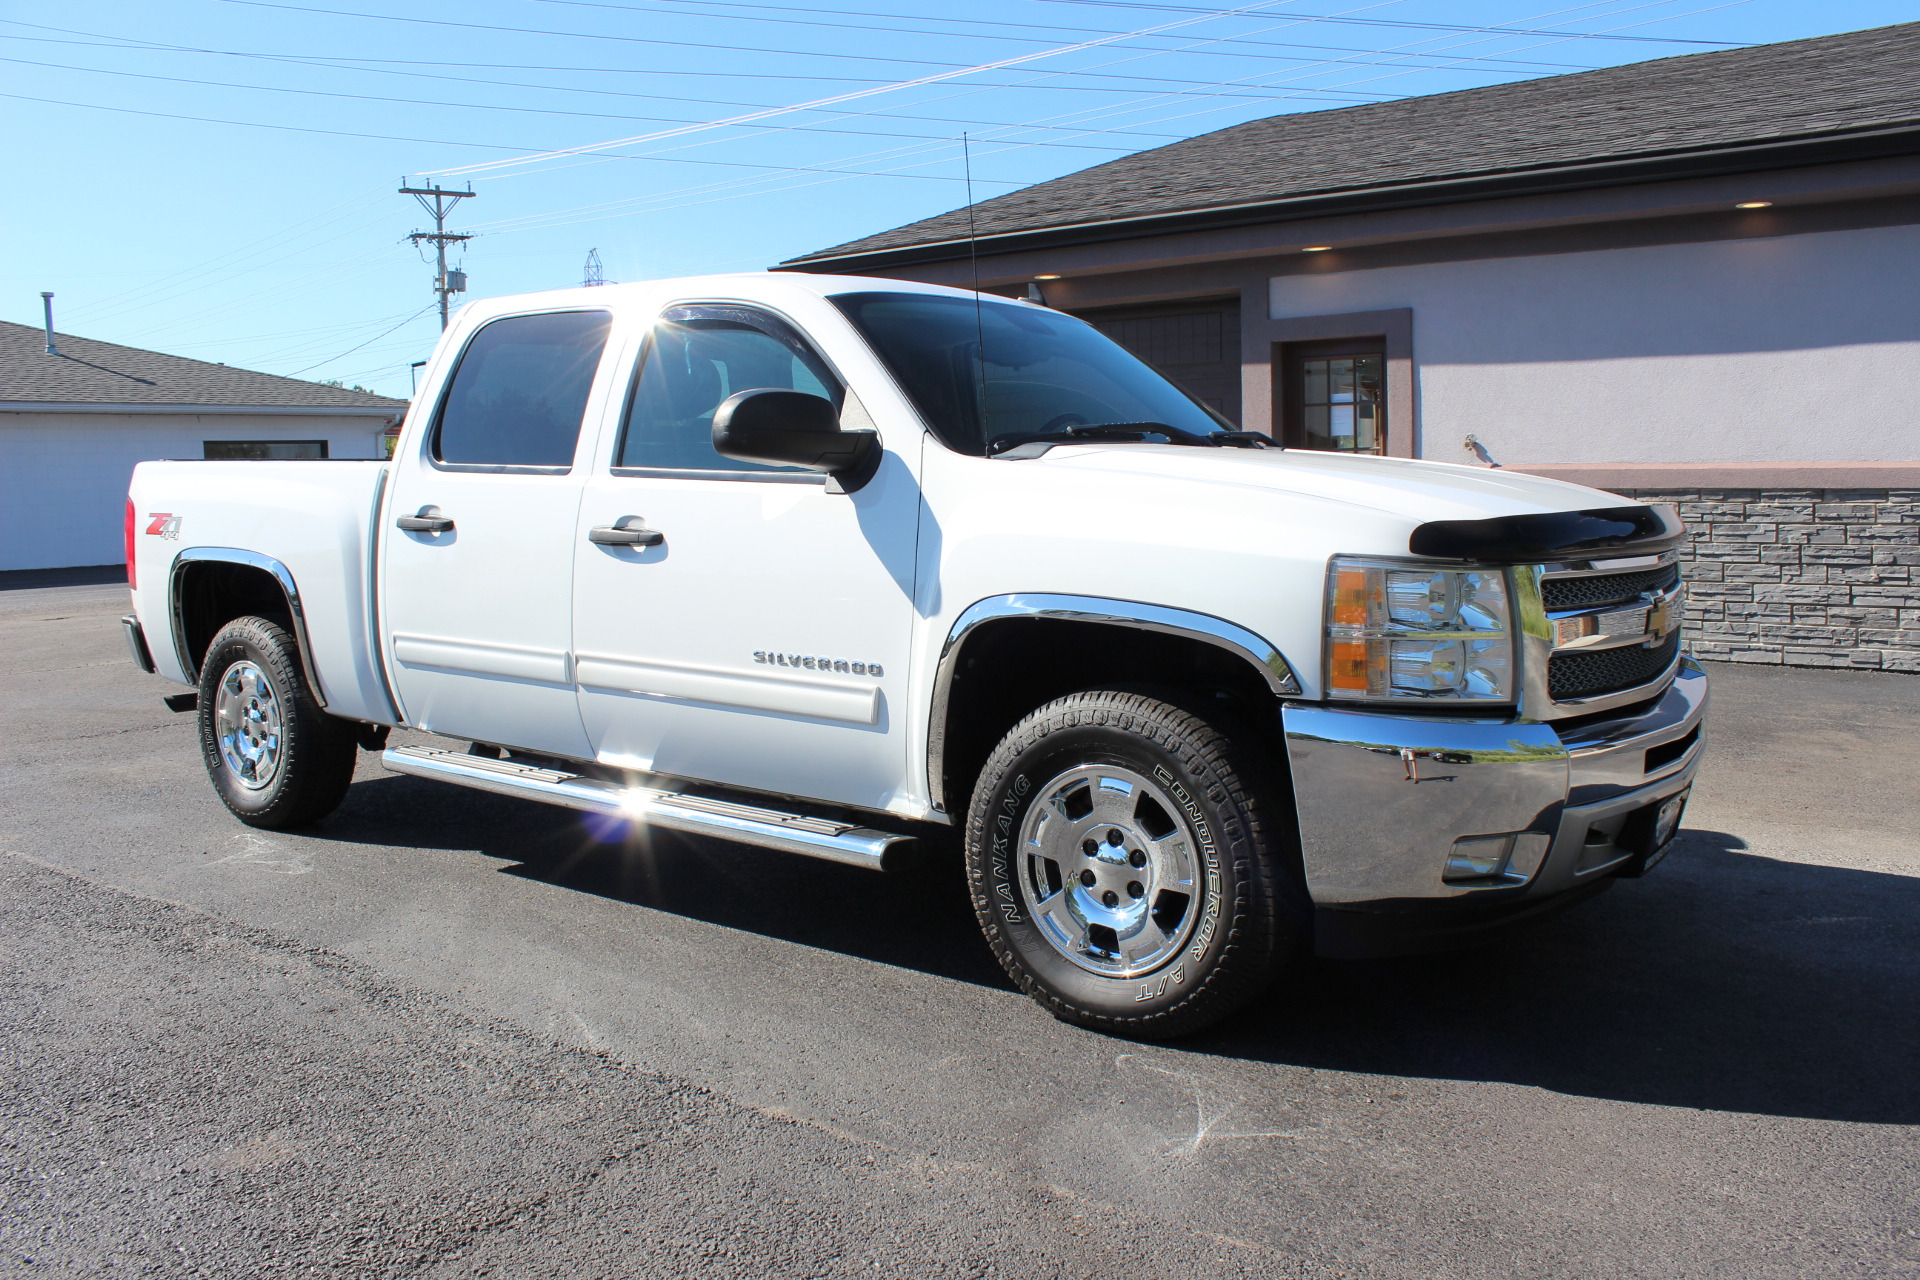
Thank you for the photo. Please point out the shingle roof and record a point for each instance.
(1859, 81)
(89, 372)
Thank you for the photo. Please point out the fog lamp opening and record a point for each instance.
(1507, 859)
(1478, 858)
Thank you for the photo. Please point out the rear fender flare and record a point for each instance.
(176, 609)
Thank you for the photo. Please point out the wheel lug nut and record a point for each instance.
(1111, 898)
(1115, 838)
(1137, 858)
(1137, 890)
(1088, 879)
(1091, 848)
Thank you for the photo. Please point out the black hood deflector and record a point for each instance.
(1604, 532)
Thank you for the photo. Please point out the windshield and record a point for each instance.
(1036, 372)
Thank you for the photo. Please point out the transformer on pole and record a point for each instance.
(438, 202)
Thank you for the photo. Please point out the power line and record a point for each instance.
(370, 341)
(484, 106)
(977, 22)
(377, 65)
(1343, 20)
(485, 146)
(1198, 15)
(836, 99)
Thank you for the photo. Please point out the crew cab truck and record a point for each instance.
(822, 563)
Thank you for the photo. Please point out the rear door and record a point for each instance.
(763, 641)
(477, 572)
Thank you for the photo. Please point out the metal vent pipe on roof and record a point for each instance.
(46, 300)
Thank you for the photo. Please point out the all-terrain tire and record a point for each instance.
(276, 758)
(1069, 834)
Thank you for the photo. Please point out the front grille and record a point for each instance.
(1596, 671)
(1584, 593)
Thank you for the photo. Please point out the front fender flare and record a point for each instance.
(1235, 639)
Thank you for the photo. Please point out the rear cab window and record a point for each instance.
(517, 397)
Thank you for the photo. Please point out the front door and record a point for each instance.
(477, 576)
(763, 641)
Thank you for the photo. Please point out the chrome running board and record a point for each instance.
(695, 815)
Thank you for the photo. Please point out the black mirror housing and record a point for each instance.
(794, 429)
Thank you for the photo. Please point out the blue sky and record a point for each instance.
(217, 178)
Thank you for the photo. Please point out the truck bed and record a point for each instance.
(316, 518)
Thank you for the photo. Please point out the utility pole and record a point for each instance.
(438, 202)
(594, 275)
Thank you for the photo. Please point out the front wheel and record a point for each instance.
(1126, 868)
(276, 758)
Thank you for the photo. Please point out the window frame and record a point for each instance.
(430, 441)
(752, 314)
(1293, 418)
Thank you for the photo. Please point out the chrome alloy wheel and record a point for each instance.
(246, 720)
(1109, 870)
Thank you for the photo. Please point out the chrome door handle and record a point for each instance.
(426, 520)
(611, 535)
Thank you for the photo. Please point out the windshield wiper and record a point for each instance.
(1084, 432)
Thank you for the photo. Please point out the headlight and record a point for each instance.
(1407, 631)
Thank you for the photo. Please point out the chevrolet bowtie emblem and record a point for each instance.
(1663, 616)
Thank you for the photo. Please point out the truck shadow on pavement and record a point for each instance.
(1723, 981)
(916, 919)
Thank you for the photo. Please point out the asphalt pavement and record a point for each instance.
(446, 1033)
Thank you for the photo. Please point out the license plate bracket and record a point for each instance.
(1650, 832)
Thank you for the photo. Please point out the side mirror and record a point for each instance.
(794, 429)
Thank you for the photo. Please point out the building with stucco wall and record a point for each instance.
(73, 424)
(1694, 279)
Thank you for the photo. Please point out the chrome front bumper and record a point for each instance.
(1385, 801)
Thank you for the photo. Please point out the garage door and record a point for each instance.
(1196, 344)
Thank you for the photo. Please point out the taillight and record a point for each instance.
(133, 578)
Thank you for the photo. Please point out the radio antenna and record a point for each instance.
(979, 324)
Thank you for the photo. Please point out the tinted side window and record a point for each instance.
(691, 365)
(520, 390)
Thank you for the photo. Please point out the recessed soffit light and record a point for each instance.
(1315, 248)
(1754, 204)
(1048, 276)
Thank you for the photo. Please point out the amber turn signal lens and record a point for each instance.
(1347, 669)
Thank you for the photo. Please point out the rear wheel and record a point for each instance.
(275, 757)
(1124, 865)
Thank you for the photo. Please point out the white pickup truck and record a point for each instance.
(821, 563)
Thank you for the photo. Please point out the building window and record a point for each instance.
(1336, 396)
(230, 450)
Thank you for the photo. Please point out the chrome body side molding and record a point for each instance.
(189, 662)
(695, 815)
(1218, 632)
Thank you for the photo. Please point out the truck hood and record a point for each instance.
(1413, 490)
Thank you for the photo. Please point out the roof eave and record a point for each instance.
(270, 410)
(1779, 153)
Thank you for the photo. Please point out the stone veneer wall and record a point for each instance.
(1801, 577)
